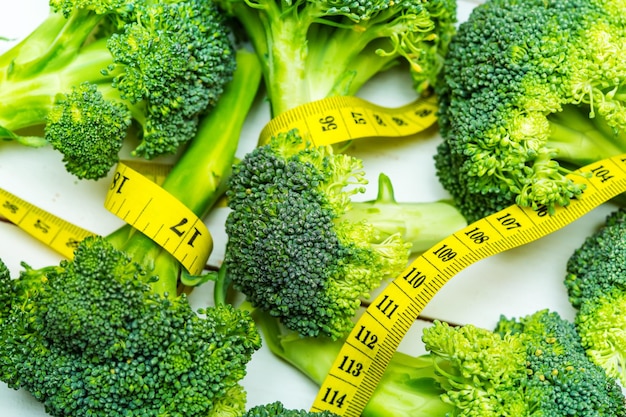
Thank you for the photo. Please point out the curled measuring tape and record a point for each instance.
(53, 231)
(194, 244)
(156, 213)
(376, 335)
(342, 118)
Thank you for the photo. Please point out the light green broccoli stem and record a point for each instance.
(49, 46)
(329, 68)
(26, 99)
(305, 57)
(580, 140)
(409, 386)
(421, 224)
(199, 177)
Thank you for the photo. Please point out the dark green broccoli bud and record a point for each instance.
(6, 291)
(186, 58)
(530, 91)
(88, 130)
(562, 380)
(166, 62)
(312, 50)
(277, 409)
(596, 285)
(599, 264)
(531, 365)
(96, 340)
(300, 248)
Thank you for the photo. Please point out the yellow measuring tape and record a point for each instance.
(338, 119)
(377, 334)
(137, 199)
(156, 213)
(53, 231)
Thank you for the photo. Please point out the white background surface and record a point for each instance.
(514, 283)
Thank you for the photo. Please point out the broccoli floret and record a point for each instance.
(277, 409)
(92, 67)
(108, 334)
(534, 365)
(88, 130)
(530, 91)
(94, 339)
(314, 49)
(6, 291)
(561, 379)
(300, 248)
(596, 285)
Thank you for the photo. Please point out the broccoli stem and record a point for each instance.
(422, 224)
(301, 74)
(53, 43)
(198, 178)
(580, 139)
(335, 70)
(294, 72)
(27, 98)
(409, 386)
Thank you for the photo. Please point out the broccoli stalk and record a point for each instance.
(95, 72)
(422, 224)
(530, 92)
(409, 385)
(107, 334)
(302, 249)
(534, 365)
(596, 285)
(311, 50)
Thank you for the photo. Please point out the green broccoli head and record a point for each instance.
(314, 49)
(599, 263)
(292, 248)
(166, 62)
(101, 7)
(6, 291)
(277, 409)
(596, 285)
(534, 365)
(96, 340)
(530, 91)
(87, 130)
(174, 60)
(556, 363)
(482, 371)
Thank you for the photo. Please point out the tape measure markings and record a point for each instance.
(151, 209)
(191, 242)
(378, 332)
(342, 118)
(51, 230)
